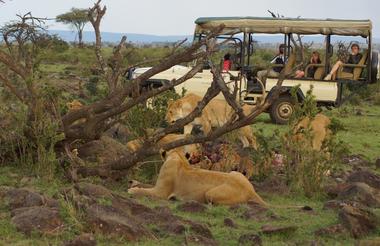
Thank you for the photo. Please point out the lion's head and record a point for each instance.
(174, 112)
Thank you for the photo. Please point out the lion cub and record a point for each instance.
(177, 179)
(216, 113)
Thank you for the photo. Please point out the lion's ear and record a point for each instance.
(163, 154)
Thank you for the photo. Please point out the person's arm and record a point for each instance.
(274, 59)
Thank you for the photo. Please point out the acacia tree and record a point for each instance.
(77, 18)
(91, 121)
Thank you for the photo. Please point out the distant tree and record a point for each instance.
(77, 18)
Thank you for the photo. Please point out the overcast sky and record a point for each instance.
(175, 17)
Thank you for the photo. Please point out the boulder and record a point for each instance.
(366, 177)
(4, 190)
(377, 163)
(331, 230)
(229, 223)
(109, 220)
(105, 150)
(85, 239)
(119, 132)
(192, 207)
(41, 219)
(337, 204)
(269, 229)
(361, 193)
(250, 239)
(258, 213)
(358, 221)
(333, 190)
(356, 161)
(193, 239)
(369, 242)
(23, 197)
(110, 213)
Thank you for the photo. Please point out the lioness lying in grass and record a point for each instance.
(177, 179)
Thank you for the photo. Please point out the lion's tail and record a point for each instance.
(257, 199)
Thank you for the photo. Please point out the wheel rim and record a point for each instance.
(285, 110)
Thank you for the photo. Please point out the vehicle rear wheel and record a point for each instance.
(282, 109)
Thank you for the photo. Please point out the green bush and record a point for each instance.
(305, 167)
(150, 114)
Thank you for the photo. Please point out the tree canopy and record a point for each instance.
(77, 18)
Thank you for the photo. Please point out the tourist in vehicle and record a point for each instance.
(354, 58)
(314, 59)
(274, 71)
(227, 63)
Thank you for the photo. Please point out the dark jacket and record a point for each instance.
(353, 59)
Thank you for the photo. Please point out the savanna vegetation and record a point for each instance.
(67, 113)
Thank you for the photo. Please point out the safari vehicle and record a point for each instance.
(241, 31)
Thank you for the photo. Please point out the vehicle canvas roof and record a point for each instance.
(285, 25)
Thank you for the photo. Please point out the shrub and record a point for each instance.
(28, 137)
(305, 167)
(149, 115)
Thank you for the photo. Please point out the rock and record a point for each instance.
(377, 163)
(23, 197)
(333, 190)
(201, 230)
(119, 132)
(361, 193)
(369, 242)
(337, 204)
(316, 243)
(331, 230)
(269, 229)
(109, 220)
(93, 190)
(273, 184)
(339, 180)
(366, 177)
(105, 150)
(358, 221)
(229, 223)
(250, 239)
(356, 160)
(199, 240)
(85, 239)
(258, 213)
(109, 213)
(192, 207)
(4, 190)
(175, 228)
(42, 219)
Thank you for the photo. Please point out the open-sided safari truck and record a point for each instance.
(240, 33)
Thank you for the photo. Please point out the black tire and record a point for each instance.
(282, 109)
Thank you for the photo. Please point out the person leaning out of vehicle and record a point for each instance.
(314, 59)
(354, 58)
(275, 71)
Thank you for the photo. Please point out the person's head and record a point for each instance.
(281, 48)
(315, 57)
(227, 57)
(355, 49)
